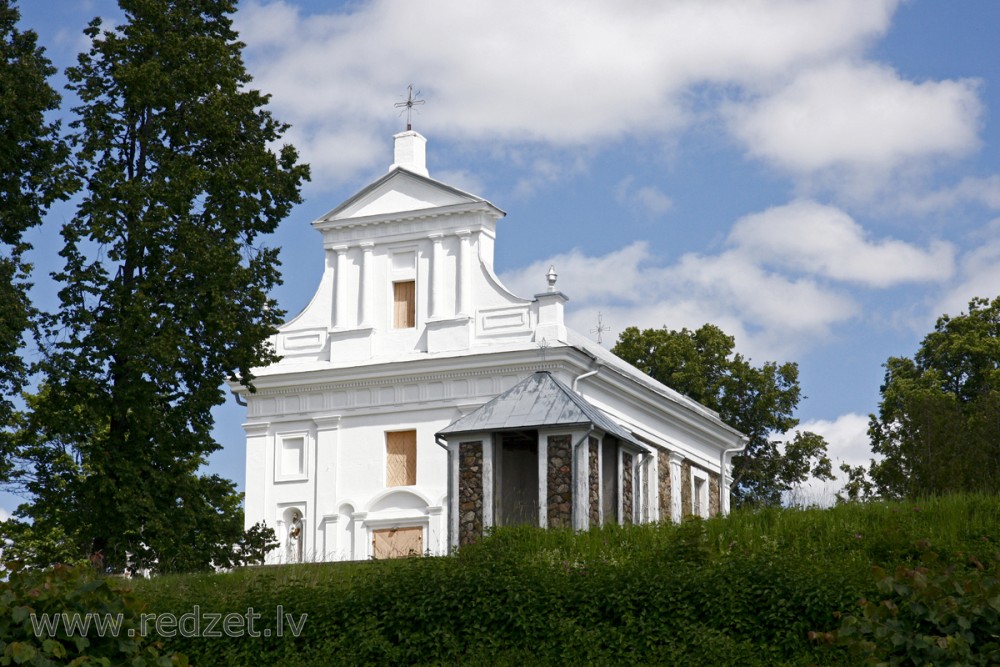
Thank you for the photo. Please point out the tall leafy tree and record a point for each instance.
(758, 401)
(33, 174)
(164, 290)
(938, 425)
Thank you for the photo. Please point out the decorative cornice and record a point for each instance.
(253, 429)
(458, 374)
(326, 422)
(414, 214)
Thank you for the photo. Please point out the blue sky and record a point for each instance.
(820, 178)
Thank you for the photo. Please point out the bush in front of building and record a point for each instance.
(70, 615)
(757, 588)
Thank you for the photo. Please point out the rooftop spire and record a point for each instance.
(410, 150)
(411, 101)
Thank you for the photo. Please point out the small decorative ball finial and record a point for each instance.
(551, 276)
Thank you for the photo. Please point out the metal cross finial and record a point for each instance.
(600, 328)
(543, 346)
(411, 101)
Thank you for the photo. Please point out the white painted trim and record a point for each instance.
(489, 452)
(453, 513)
(600, 480)
(676, 508)
(580, 478)
(620, 466)
(280, 475)
(701, 505)
(543, 478)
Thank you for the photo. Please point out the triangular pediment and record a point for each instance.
(401, 191)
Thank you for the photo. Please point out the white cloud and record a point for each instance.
(561, 73)
(822, 240)
(616, 276)
(646, 200)
(847, 437)
(771, 315)
(980, 276)
(858, 116)
(847, 442)
(779, 286)
(983, 191)
(543, 170)
(461, 179)
(778, 305)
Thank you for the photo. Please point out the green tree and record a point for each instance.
(33, 174)
(164, 290)
(758, 401)
(938, 425)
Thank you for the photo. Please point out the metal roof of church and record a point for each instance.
(538, 400)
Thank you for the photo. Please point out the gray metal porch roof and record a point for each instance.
(539, 400)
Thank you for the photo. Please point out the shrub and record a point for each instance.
(932, 613)
(70, 615)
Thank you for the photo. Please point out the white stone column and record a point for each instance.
(324, 472)
(304, 554)
(362, 545)
(488, 479)
(463, 286)
(675, 486)
(580, 453)
(367, 286)
(259, 470)
(453, 511)
(600, 480)
(646, 506)
(280, 554)
(435, 528)
(340, 288)
(331, 531)
(543, 480)
(653, 488)
(437, 276)
(620, 500)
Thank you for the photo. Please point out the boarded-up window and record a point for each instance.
(398, 542)
(401, 458)
(404, 304)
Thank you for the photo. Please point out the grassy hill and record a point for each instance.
(768, 587)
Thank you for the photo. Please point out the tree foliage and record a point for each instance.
(938, 425)
(43, 614)
(164, 289)
(758, 401)
(33, 174)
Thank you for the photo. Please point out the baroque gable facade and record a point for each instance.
(418, 402)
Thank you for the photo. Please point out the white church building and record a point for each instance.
(418, 402)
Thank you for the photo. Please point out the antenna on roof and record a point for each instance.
(411, 101)
(600, 328)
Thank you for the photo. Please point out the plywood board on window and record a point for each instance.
(401, 458)
(398, 542)
(404, 304)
